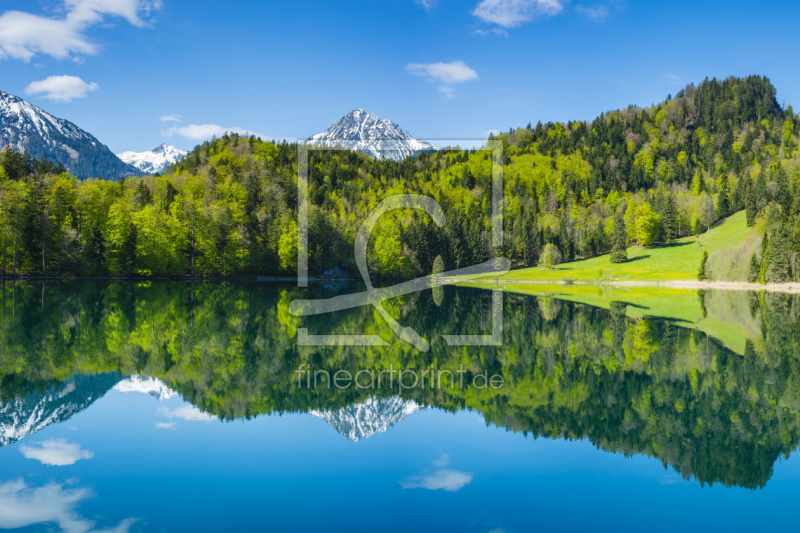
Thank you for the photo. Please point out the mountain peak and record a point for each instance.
(154, 161)
(372, 135)
(24, 126)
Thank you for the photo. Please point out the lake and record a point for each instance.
(180, 406)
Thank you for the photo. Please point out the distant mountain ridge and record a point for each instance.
(155, 160)
(371, 135)
(24, 126)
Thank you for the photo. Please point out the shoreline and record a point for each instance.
(790, 288)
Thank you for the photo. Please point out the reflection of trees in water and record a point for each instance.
(549, 307)
(571, 371)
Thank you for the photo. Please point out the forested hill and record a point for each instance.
(634, 177)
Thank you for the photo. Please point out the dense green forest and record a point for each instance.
(634, 386)
(633, 177)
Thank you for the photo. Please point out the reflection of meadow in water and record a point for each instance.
(718, 408)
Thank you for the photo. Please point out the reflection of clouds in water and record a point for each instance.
(670, 479)
(442, 479)
(56, 453)
(449, 480)
(187, 412)
(22, 506)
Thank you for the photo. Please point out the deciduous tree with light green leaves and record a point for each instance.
(551, 256)
(648, 225)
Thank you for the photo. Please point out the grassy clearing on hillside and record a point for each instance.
(678, 261)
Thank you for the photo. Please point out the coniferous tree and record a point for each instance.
(777, 270)
(796, 236)
(565, 243)
(762, 194)
(755, 266)
(619, 239)
(751, 206)
(533, 244)
(723, 199)
(784, 193)
(702, 275)
(669, 218)
(762, 267)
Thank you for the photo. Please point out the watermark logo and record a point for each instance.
(399, 380)
(377, 296)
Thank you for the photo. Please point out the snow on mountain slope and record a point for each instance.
(25, 415)
(152, 386)
(375, 415)
(155, 160)
(23, 126)
(376, 137)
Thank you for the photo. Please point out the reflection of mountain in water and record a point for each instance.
(24, 416)
(152, 386)
(374, 415)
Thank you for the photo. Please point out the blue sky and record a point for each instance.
(442, 69)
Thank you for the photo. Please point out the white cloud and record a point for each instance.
(61, 88)
(453, 72)
(171, 118)
(187, 412)
(446, 74)
(56, 453)
(202, 132)
(491, 132)
(491, 31)
(447, 91)
(598, 13)
(447, 480)
(93, 11)
(511, 13)
(24, 35)
(674, 79)
(21, 506)
(165, 425)
(427, 4)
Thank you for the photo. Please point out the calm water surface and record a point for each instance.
(176, 407)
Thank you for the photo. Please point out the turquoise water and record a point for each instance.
(167, 407)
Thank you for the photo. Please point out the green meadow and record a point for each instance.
(677, 261)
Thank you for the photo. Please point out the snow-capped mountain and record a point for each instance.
(376, 137)
(154, 161)
(375, 415)
(26, 415)
(152, 386)
(23, 126)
